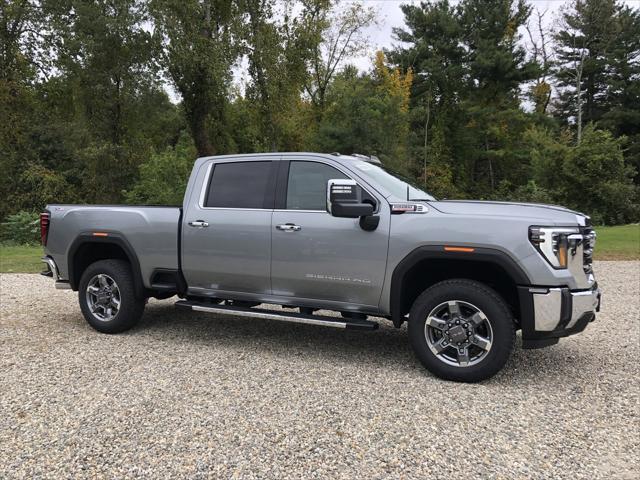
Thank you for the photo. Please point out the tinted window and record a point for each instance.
(239, 185)
(307, 187)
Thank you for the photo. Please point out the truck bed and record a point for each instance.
(152, 232)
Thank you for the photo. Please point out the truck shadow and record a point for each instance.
(385, 347)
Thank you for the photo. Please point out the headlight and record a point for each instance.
(556, 243)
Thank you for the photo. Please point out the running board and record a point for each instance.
(335, 322)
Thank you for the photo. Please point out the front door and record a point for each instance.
(317, 256)
(226, 233)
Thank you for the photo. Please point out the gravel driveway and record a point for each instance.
(196, 395)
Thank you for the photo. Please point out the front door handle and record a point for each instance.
(289, 227)
(198, 223)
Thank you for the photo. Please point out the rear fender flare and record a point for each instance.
(112, 238)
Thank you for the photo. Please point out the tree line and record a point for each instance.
(487, 99)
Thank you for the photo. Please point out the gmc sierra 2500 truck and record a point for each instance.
(335, 232)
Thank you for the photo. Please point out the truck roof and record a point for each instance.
(285, 155)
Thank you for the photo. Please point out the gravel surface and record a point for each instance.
(197, 395)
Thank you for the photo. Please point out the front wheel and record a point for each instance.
(461, 330)
(107, 296)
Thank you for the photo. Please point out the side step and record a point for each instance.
(335, 322)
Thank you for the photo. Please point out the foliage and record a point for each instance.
(530, 193)
(278, 50)
(459, 103)
(592, 177)
(338, 35)
(368, 114)
(598, 180)
(21, 228)
(200, 44)
(163, 178)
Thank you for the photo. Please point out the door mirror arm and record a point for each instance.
(369, 223)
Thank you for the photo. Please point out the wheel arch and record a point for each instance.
(88, 248)
(428, 265)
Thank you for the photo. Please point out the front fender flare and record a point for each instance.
(438, 252)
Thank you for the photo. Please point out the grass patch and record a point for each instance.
(614, 243)
(21, 259)
(618, 243)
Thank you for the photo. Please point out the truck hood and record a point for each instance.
(552, 214)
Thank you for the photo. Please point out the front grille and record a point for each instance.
(589, 242)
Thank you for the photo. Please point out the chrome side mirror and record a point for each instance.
(344, 199)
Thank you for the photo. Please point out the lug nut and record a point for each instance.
(457, 322)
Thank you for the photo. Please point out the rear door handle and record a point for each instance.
(289, 227)
(198, 223)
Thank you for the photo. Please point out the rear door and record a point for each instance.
(317, 256)
(226, 234)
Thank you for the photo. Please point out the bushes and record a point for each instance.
(21, 228)
(163, 178)
(592, 177)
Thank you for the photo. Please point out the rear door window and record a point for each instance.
(240, 185)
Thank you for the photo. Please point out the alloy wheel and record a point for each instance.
(458, 333)
(103, 297)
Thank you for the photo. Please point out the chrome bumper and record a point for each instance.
(53, 272)
(561, 308)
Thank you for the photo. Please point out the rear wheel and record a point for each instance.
(461, 330)
(107, 296)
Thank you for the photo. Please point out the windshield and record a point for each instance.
(392, 181)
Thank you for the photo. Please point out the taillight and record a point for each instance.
(44, 227)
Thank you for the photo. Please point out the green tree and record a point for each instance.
(368, 114)
(592, 177)
(163, 178)
(279, 49)
(339, 36)
(107, 87)
(597, 40)
(498, 67)
(432, 47)
(469, 66)
(19, 65)
(200, 45)
(599, 181)
(622, 93)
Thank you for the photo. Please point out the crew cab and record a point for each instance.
(328, 232)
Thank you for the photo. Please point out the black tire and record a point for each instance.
(496, 313)
(130, 308)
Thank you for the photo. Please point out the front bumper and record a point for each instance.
(547, 314)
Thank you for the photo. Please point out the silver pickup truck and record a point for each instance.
(314, 232)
